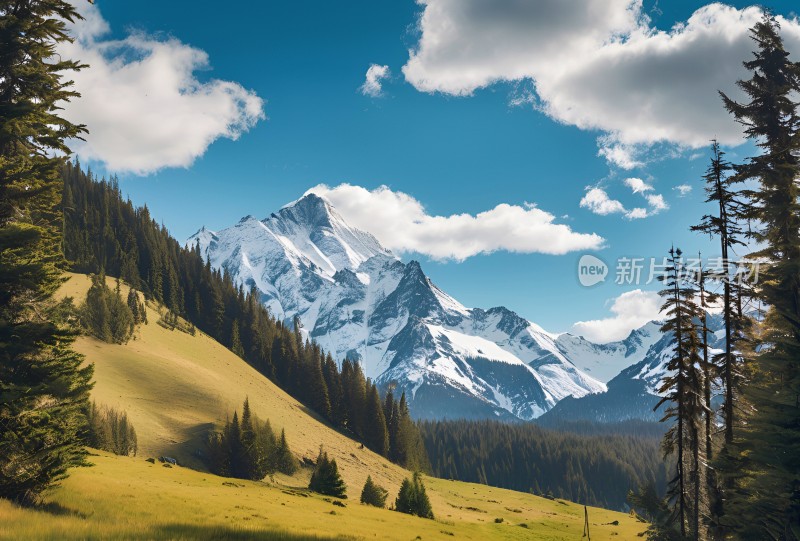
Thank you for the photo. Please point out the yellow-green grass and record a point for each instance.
(123, 498)
(174, 387)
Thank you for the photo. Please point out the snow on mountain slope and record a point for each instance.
(357, 300)
(634, 392)
(604, 361)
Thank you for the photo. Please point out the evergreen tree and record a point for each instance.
(236, 342)
(110, 430)
(43, 387)
(236, 450)
(284, 460)
(766, 504)
(709, 372)
(105, 315)
(250, 453)
(682, 388)
(406, 498)
(724, 224)
(318, 389)
(373, 494)
(392, 414)
(134, 307)
(375, 434)
(326, 479)
(248, 449)
(412, 498)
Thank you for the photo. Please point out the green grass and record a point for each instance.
(129, 498)
(174, 387)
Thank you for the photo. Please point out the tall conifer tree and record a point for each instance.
(43, 387)
(682, 389)
(767, 502)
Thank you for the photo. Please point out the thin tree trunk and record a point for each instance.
(681, 406)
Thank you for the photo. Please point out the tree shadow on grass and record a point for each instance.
(56, 509)
(226, 533)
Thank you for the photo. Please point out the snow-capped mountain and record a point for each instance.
(634, 392)
(358, 300)
(605, 361)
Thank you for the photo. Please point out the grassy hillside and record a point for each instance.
(174, 386)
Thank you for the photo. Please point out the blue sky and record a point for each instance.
(475, 121)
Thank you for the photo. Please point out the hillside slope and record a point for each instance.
(174, 386)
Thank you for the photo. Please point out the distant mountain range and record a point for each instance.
(358, 300)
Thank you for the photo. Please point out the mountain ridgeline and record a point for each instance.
(360, 302)
(105, 234)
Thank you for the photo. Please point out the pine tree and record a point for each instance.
(766, 505)
(233, 437)
(43, 386)
(682, 388)
(376, 436)
(250, 453)
(134, 306)
(236, 342)
(412, 498)
(373, 494)
(318, 389)
(424, 508)
(104, 314)
(724, 224)
(326, 479)
(284, 460)
(392, 415)
(406, 501)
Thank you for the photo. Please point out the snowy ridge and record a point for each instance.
(359, 301)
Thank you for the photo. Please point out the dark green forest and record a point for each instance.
(593, 469)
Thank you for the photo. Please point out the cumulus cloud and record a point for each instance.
(637, 185)
(656, 202)
(596, 64)
(637, 214)
(598, 202)
(630, 311)
(402, 224)
(142, 102)
(683, 190)
(373, 82)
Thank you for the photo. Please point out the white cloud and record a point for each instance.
(637, 214)
(630, 310)
(656, 202)
(623, 156)
(402, 224)
(143, 105)
(637, 185)
(597, 201)
(373, 82)
(597, 64)
(683, 190)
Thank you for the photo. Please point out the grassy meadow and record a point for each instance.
(175, 387)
